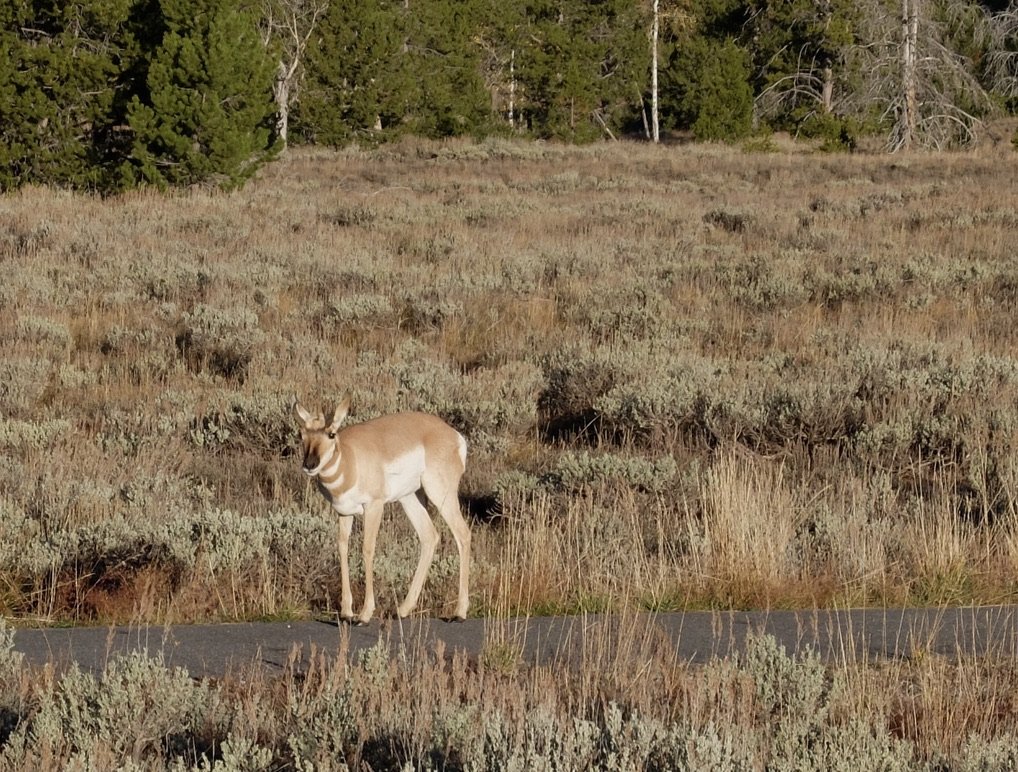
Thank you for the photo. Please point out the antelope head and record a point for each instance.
(318, 437)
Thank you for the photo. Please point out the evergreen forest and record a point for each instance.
(107, 95)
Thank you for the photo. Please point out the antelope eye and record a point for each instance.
(332, 435)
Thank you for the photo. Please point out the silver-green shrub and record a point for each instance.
(41, 329)
(25, 436)
(133, 712)
(795, 699)
(22, 380)
(577, 470)
(220, 340)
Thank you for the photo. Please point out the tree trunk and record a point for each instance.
(512, 89)
(654, 122)
(281, 92)
(910, 35)
(827, 95)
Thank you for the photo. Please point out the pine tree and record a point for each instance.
(798, 49)
(355, 83)
(60, 76)
(706, 86)
(208, 111)
(380, 69)
(449, 97)
(710, 83)
(581, 66)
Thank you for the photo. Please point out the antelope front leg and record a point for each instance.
(346, 601)
(372, 521)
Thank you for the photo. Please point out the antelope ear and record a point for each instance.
(340, 414)
(302, 415)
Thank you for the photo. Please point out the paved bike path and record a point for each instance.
(696, 637)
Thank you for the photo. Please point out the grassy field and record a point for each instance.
(689, 376)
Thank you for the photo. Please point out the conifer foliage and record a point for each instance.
(356, 84)
(60, 86)
(207, 110)
(110, 94)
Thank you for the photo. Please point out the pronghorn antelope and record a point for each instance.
(364, 467)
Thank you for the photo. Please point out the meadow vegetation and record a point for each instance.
(689, 376)
(625, 707)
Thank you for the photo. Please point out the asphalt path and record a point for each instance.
(695, 637)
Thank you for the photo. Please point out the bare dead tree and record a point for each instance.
(289, 25)
(1002, 61)
(809, 86)
(498, 69)
(909, 118)
(676, 17)
(512, 89)
(811, 83)
(927, 93)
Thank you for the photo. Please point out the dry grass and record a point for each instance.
(624, 703)
(689, 376)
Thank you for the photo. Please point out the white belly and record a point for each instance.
(402, 475)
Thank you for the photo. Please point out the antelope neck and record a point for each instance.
(332, 470)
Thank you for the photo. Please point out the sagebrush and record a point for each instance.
(689, 376)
